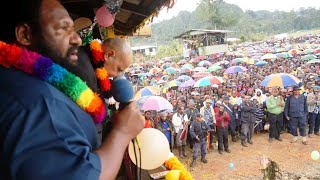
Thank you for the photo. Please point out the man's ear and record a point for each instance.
(24, 34)
(109, 53)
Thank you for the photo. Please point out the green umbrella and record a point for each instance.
(313, 61)
(309, 57)
(187, 66)
(214, 68)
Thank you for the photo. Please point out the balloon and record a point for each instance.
(154, 149)
(104, 17)
(173, 175)
(81, 23)
(315, 155)
(231, 165)
(170, 155)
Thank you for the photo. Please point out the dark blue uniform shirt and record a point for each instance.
(43, 133)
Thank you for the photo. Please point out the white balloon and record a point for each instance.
(154, 148)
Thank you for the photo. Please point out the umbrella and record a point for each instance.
(237, 60)
(309, 57)
(155, 70)
(252, 61)
(208, 81)
(184, 71)
(199, 69)
(309, 51)
(201, 74)
(214, 68)
(170, 70)
(317, 50)
(235, 69)
(313, 61)
(161, 82)
(261, 63)
(147, 91)
(280, 80)
(204, 63)
(294, 51)
(187, 84)
(187, 66)
(171, 84)
(184, 78)
(268, 56)
(164, 77)
(156, 103)
(284, 55)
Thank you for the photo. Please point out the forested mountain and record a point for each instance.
(248, 25)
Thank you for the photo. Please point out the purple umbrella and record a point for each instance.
(235, 69)
(187, 84)
(156, 103)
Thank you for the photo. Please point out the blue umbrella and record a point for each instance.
(261, 63)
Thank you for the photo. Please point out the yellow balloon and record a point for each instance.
(154, 148)
(173, 175)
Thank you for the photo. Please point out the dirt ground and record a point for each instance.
(294, 160)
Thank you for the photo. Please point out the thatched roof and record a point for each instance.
(132, 15)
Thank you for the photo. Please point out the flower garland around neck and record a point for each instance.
(98, 60)
(29, 62)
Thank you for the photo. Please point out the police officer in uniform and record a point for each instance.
(198, 131)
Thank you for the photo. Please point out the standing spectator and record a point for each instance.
(198, 131)
(223, 119)
(166, 127)
(259, 115)
(191, 113)
(148, 120)
(228, 108)
(296, 111)
(180, 121)
(236, 115)
(247, 121)
(313, 101)
(209, 116)
(275, 106)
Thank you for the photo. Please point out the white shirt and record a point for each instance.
(177, 120)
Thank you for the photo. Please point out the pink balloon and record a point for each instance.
(104, 17)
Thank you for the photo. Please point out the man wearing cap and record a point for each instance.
(223, 120)
(313, 101)
(209, 116)
(296, 111)
(198, 132)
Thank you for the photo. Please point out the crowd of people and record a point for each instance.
(240, 105)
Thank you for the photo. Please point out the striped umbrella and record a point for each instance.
(280, 80)
(147, 91)
(235, 69)
(208, 81)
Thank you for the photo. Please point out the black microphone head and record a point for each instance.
(122, 90)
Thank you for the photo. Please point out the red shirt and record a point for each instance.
(222, 120)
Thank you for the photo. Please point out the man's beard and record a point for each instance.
(50, 51)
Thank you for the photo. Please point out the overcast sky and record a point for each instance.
(270, 5)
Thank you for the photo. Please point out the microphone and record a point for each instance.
(122, 91)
